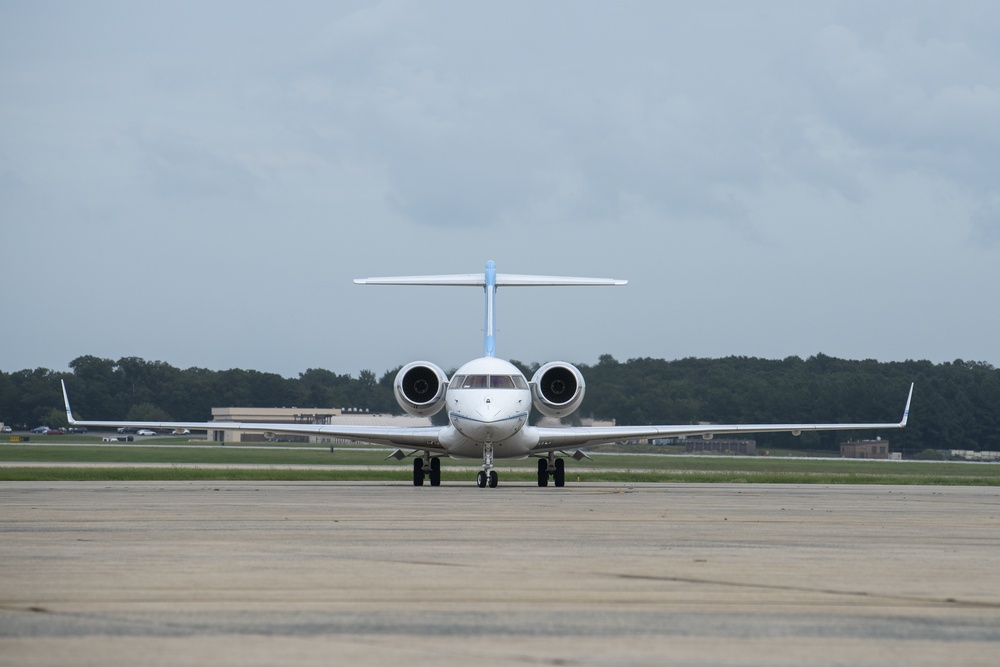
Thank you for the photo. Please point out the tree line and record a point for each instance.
(956, 405)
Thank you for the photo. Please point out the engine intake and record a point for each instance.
(419, 388)
(557, 389)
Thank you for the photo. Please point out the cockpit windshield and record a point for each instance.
(488, 382)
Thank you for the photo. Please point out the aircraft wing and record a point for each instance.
(418, 437)
(551, 439)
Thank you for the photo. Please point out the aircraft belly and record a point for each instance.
(517, 446)
(474, 450)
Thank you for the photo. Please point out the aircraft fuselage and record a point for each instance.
(488, 401)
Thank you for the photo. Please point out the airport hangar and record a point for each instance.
(343, 416)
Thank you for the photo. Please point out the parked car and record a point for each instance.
(55, 431)
(76, 429)
(182, 431)
(6, 429)
(145, 431)
(40, 429)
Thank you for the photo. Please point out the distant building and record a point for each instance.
(722, 446)
(970, 455)
(300, 416)
(865, 449)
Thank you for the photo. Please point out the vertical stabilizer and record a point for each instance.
(489, 328)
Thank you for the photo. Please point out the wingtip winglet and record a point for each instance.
(69, 412)
(906, 410)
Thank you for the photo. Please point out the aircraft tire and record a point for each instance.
(543, 472)
(494, 479)
(418, 472)
(560, 473)
(481, 479)
(435, 472)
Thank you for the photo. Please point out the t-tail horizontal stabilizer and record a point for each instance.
(489, 281)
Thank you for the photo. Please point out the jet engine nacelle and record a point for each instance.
(557, 389)
(419, 388)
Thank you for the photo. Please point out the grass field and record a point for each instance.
(177, 460)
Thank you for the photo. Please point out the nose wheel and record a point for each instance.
(485, 478)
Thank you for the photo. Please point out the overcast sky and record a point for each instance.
(199, 182)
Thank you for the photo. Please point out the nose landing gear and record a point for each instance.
(487, 475)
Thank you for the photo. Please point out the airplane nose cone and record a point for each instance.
(489, 425)
(488, 415)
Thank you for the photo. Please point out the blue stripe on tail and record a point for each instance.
(490, 288)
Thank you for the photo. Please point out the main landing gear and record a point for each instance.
(426, 466)
(551, 467)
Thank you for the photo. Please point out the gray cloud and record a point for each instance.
(746, 165)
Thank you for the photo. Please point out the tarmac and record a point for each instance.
(357, 573)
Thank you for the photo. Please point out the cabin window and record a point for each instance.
(501, 382)
(476, 382)
(489, 382)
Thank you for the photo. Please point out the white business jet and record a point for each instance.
(488, 401)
